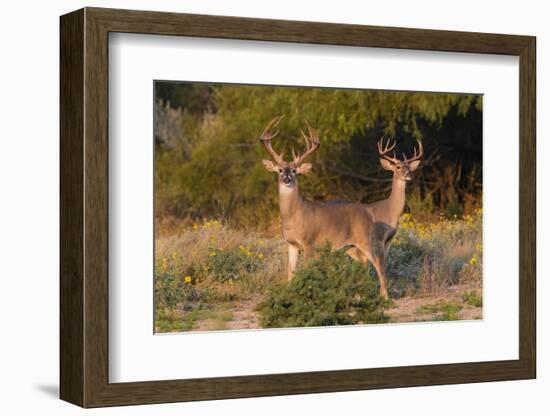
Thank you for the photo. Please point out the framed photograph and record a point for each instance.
(255, 207)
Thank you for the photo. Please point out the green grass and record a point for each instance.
(445, 311)
(172, 321)
(472, 298)
(180, 320)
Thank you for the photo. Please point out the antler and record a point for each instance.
(267, 136)
(387, 148)
(415, 156)
(312, 143)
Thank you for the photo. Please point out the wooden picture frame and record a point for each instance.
(84, 207)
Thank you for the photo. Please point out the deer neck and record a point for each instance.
(290, 201)
(396, 201)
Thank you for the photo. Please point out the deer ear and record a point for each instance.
(304, 168)
(414, 165)
(270, 166)
(386, 164)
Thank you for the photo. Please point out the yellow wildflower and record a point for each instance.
(174, 254)
(187, 279)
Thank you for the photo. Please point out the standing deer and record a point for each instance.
(365, 230)
(385, 213)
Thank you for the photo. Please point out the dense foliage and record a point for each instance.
(331, 289)
(210, 165)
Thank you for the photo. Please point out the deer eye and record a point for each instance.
(280, 170)
(294, 171)
(398, 167)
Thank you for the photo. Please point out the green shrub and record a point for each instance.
(332, 289)
(426, 258)
(472, 298)
(173, 291)
(405, 263)
(224, 265)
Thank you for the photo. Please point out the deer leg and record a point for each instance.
(376, 256)
(381, 272)
(355, 253)
(358, 255)
(378, 260)
(292, 260)
(308, 250)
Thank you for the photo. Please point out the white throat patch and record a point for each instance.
(285, 189)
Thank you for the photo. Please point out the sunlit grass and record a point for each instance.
(445, 311)
(203, 265)
(427, 258)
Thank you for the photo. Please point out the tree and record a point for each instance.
(219, 174)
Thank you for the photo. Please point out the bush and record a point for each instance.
(221, 258)
(405, 262)
(173, 291)
(224, 265)
(472, 298)
(426, 258)
(331, 289)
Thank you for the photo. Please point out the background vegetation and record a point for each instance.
(209, 159)
(220, 257)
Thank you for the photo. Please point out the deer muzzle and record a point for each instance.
(287, 176)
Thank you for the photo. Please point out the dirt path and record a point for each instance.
(448, 306)
(235, 315)
(245, 316)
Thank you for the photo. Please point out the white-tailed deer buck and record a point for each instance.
(385, 213)
(365, 230)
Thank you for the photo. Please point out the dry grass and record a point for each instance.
(426, 259)
(200, 266)
(233, 264)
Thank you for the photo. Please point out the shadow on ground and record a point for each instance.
(51, 390)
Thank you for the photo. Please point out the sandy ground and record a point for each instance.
(241, 315)
(407, 309)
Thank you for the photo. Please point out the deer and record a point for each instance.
(363, 230)
(385, 213)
